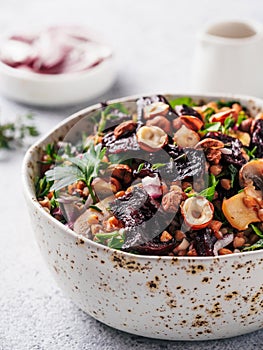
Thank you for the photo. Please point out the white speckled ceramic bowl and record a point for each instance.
(161, 297)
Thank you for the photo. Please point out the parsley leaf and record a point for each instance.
(229, 122)
(182, 101)
(158, 165)
(257, 231)
(255, 246)
(241, 116)
(233, 173)
(111, 108)
(208, 112)
(209, 192)
(42, 187)
(209, 127)
(113, 239)
(251, 153)
(221, 104)
(109, 113)
(75, 169)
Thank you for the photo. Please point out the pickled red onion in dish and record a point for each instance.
(55, 50)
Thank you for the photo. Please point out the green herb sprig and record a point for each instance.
(14, 134)
(259, 243)
(84, 168)
(182, 101)
(209, 192)
(113, 239)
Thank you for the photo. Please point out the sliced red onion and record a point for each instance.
(71, 207)
(221, 243)
(52, 50)
(183, 245)
(152, 186)
(226, 150)
(15, 52)
(55, 50)
(24, 37)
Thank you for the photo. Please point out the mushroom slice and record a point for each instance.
(81, 225)
(151, 138)
(161, 122)
(252, 194)
(185, 137)
(237, 213)
(155, 109)
(102, 188)
(210, 143)
(252, 173)
(197, 212)
(242, 136)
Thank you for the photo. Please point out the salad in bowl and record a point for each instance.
(148, 212)
(161, 176)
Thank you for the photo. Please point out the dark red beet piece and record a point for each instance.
(204, 242)
(236, 158)
(186, 162)
(187, 110)
(257, 138)
(120, 145)
(142, 217)
(151, 248)
(134, 208)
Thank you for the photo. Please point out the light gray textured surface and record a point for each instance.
(154, 43)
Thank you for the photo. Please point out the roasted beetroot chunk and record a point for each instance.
(185, 163)
(141, 216)
(187, 110)
(114, 145)
(151, 248)
(233, 145)
(134, 208)
(204, 242)
(257, 138)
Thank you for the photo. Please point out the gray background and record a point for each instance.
(154, 43)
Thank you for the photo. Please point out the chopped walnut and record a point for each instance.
(172, 200)
(179, 235)
(121, 172)
(215, 225)
(213, 155)
(166, 236)
(226, 184)
(125, 127)
(161, 122)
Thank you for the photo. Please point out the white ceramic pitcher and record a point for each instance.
(229, 58)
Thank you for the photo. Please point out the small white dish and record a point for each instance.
(228, 58)
(57, 89)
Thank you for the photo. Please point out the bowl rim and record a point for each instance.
(31, 197)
